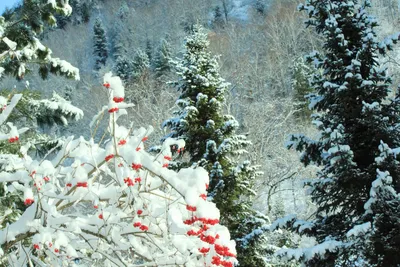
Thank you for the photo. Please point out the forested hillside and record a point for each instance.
(196, 110)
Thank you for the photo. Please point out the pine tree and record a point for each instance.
(260, 6)
(119, 47)
(212, 142)
(123, 11)
(358, 185)
(162, 59)
(149, 50)
(301, 87)
(100, 44)
(123, 68)
(20, 45)
(141, 65)
(218, 16)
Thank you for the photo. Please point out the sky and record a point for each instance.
(7, 3)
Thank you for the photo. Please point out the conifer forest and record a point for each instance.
(209, 133)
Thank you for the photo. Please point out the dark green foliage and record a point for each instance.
(357, 188)
(218, 16)
(260, 6)
(162, 59)
(23, 26)
(140, 65)
(149, 51)
(119, 47)
(100, 44)
(123, 68)
(212, 142)
(301, 88)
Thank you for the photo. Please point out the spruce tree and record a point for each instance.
(123, 68)
(141, 65)
(149, 50)
(162, 59)
(301, 88)
(20, 47)
(212, 143)
(100, 44)
(358, 185)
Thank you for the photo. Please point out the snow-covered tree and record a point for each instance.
(30, 111)
(301, 87)
(112, 205)
(162, 59)
(19, 50)
(20, 46)
(358, 185)
(123, 68)
(100, 44)
(212, 143)
(141, 65)
(149, 50)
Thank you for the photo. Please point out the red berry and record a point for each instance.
(204, 250)
(101, 216)
(81, 184)
(109, 157)
(111, 110)
(13, 139)
(139, 212)
(36, 246)
(136, 166)
(191, 208)
(56, 250)
(28, 201)
(137, 224)
(122, 142)
(107, 85)
(118, 99)
(144, 228)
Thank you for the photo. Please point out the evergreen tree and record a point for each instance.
(20, 46)
(301, 87)
(218, 16)
(100, 44)
(149, 50)
(212, 142)
(162, 59)
(123, 11)
(141, 65)
(358, 185)
(260, 6)
(123, 68)
(119, 47)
